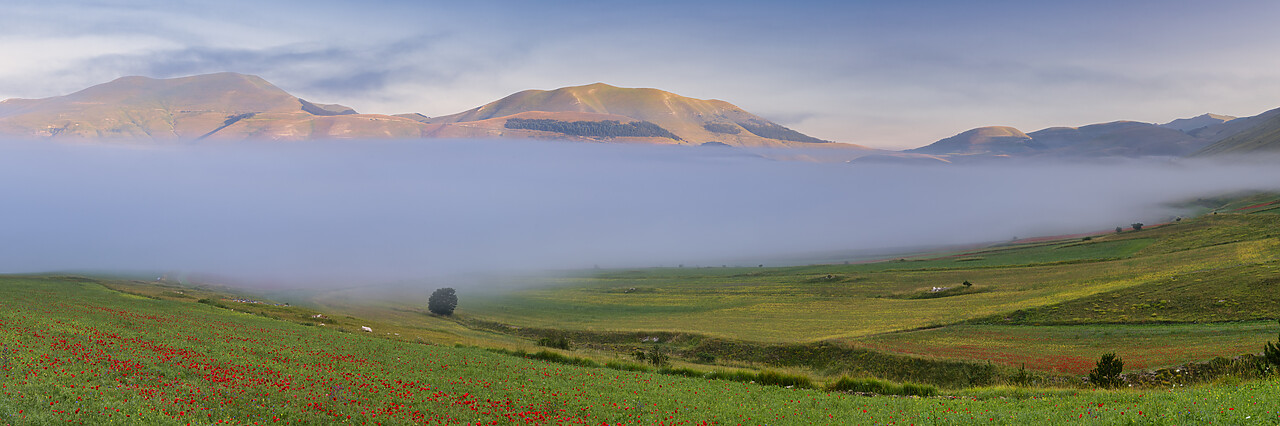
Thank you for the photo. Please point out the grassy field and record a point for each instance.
(1075, 348)
(1216, 269)
(826, 302)
(74, 351)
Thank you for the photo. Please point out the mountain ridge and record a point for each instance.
(230, 105)
(238, 106)
(1125, 139)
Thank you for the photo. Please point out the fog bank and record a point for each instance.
(358, 212)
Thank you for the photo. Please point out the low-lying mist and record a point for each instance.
(341, 214)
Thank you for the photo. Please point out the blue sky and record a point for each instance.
(894, 75)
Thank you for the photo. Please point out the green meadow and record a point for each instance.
(77, 352)
(1185, 304)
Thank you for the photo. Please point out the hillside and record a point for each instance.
(1216, 269)
(1120, 138)
(218, 106)
(983, 140)
(1116, 139)
(1262, 135)
(694, 121)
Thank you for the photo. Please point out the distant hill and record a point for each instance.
(237, 106)
(995, 140)
(1260, 134)
(1116, 139)
(1189, 125)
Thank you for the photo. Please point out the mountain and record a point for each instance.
(1116, 139)
(1257, 134)
(219, 106)
(692, 121)
(995, 140)
(1189, 125)
(233, 106)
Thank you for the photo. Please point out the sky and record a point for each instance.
(895, 75)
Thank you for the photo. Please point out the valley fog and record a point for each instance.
(338, 214)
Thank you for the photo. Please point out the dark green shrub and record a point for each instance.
(725, 128)
(561, 359)
(1107, 372)
(605, 128)
(625, 366)
(918, 390)
(1022, 378)
(559, 342)
(774, 378)
(686, 372)
(443, 301)
(766, 129)
(735, 376)
(657, 358)
(653, 356)
(1272, 352)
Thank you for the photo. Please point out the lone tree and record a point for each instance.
(1137, 226)
(1107, 373)
(1119, 229)
(442, 301)
(1272, 352)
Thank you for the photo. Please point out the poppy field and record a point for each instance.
(76, 352)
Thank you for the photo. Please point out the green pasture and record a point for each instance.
(1207, 272)
(74, 351)
(824, 302)
(1075, 348)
